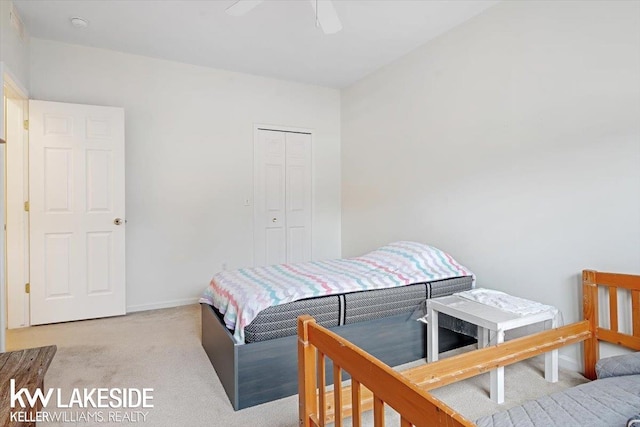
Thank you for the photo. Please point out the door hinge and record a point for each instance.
(26, 206)
(27, 288)
(25, 124)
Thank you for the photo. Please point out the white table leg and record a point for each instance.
(432, 334)
(497, 376)
(483, 337)
(551, 358)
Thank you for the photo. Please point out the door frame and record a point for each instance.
(278, 128)
(17, 303)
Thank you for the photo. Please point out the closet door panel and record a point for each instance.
(270, 198)
(298, 197)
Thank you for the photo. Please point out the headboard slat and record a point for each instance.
(613, 309)
(590, 313)
(619, 338)
(635, 312)
(627, 281)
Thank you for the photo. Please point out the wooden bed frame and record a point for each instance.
(374, 384)
(263, 371)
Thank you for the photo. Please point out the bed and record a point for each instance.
(374, 384)
(376, 306)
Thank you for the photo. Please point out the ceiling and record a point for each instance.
(276, 39)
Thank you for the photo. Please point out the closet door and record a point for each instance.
(282, 197)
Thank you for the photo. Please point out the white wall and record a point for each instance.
(14, 48)
(189, 155)
(512, 141)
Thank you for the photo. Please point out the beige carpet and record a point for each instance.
(161, 349)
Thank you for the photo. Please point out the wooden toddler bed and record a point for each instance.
(374, 384)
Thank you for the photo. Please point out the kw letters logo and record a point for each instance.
(118, 401)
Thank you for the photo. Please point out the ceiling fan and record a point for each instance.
(326, 16)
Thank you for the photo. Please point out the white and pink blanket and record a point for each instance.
(241, 294)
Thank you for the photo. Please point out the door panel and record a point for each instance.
(76, 191)
(298, 195)
(99, 263)
(58, 180)
(275, 246)
(296, 244)
(270, 221)
(99, 180)
(57, 263)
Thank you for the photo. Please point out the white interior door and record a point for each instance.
(282, 197)
(77, 232)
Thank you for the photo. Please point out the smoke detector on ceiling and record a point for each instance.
(78, 22)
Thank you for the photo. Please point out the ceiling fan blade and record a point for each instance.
(326, 16)
(241, 7)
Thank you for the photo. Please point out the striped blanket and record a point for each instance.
(241, 294)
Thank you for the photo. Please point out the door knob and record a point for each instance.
(118, 221)
(274, 220)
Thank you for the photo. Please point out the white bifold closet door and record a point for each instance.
(282, 197)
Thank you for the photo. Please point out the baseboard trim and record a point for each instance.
(569, 363)
(163, 304)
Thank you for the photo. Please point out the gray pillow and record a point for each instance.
(617, 366)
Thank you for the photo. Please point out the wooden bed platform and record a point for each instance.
(263, 371)
(374, 384)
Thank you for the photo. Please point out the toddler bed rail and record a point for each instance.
(385, 385)
(374, 384)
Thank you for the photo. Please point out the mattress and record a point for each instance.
(335, 310)
(601, 403)
(241, 295)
